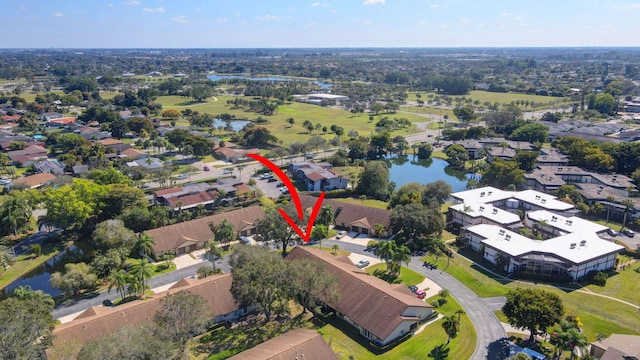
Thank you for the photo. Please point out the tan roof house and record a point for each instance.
(98, 321)
(380, 311)
(295, 344)
(35, 181)
(192, 235)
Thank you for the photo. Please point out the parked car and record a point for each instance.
(226, 171)
(309, 156)
(272, 179)
(266, 176)
(341, 234)
(413, 288)
(362, 263)
(284, 190)
(182, 176)
(206, 168)
(612, 232)
(628, 233)
(107, 303)
(280, 184)
(421, 294)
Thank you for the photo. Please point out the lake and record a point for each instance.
(321, 84)
(406, 169)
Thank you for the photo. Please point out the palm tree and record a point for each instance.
(335, 249)
(213, 252)
(402, 254)
(325, 216)
(378, 230)
(15, 214)
(459, 312)
(142, 272)
(144, 244)
(574, 339)
(386, 250)
(451, 326)
(6, 257)
(611, 200)
(240, 167)
(224, 233)
(444, 293)
(628, 205)
(119, 280)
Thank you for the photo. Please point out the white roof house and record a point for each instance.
(476, 213)
(566, 225)
(485, 195)
(542, 200)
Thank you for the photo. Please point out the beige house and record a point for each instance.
(192, 235)
(295, 344)
(381, 312)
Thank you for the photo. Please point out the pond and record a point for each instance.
(38, 278)
(235, 125)
(406, 169)
(320, 84)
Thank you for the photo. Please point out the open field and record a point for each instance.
(299, 111)
(502, 98)
(368, 202)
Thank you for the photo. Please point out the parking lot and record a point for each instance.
(270, 187)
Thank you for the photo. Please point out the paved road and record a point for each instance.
(75, 306)
(490, 333)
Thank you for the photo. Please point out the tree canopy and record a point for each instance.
(533, 309)
(374, 181)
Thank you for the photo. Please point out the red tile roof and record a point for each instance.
(35, 180)
(203, 197)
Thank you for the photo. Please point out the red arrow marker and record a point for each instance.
(295, 197)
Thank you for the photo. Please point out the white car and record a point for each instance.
(182, 176)
(362, 263)
(341, 234)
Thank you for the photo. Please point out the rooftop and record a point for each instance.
(487, 211)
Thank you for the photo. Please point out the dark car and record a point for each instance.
(107, 303)
(628, 233)
(413, 288)
(272, 179)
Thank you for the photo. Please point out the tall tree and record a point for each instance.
(311, 284)
(141, 272)
(182, 316)
(374, 181)
(275, 228)
(75, 277)
(128, 342)
(212, 253)
(259, 277)
(27, 322)
(119, 280)
(533, 309)
(325, 216)
(386, 252)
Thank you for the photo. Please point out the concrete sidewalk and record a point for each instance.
(68, 318)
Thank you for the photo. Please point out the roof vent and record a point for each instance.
(544, 201)
(508, 237)
(583, 243)
(572, 246)
(481, 208)
(482, 194)
(495, 211)
(490, 192)
(501, 232)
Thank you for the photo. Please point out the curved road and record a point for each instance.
(490, 333)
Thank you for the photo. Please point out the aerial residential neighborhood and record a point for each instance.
(347, 180)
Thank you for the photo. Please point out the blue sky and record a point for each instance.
(323, 23)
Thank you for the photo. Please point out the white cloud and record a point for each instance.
(57, 14)
(221, 20)
(180, 19)
(435, 6)
(268, 17)
(319, 4)
(153, 10)
(421, 22)
(632, 6)
(132, 3)
(373, 2)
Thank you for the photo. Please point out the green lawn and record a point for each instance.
(368, 202)
(299, 111)
(25, 263)
(407, 277)
(623, 284)
(348, 344)
(502, 98)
